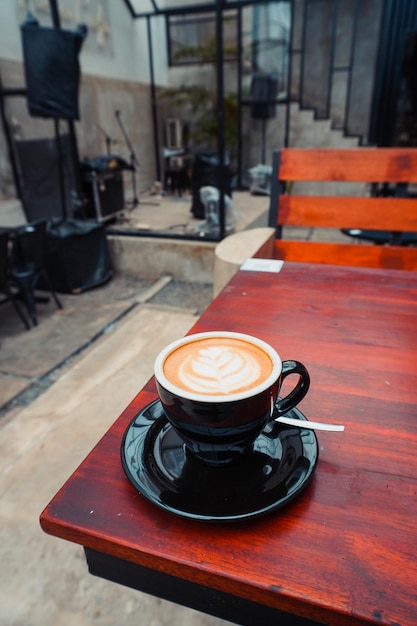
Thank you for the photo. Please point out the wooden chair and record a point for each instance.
(360, 165)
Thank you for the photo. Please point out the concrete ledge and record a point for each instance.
(150, 257)
(235, 249)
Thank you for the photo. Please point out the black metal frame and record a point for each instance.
(217, 9)
(56, 21)
(397, 19)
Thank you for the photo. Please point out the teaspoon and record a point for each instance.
(307, 424)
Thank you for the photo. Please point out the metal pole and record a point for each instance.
(153, 102)
(56, 21)
(290, 52)
(57, 24)
(220, 113)
(239, 99)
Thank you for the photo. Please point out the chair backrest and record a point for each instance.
(355, 165)
(30, 241)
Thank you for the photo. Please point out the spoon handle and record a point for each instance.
(311, 425)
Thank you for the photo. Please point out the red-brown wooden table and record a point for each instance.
(344, 551)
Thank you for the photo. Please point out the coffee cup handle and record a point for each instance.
(295, 396)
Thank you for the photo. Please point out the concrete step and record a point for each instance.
(307, 131)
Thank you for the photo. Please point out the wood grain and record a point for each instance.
(369, 165)
(389, 257)
(393, 214)
(344, 551)
(342, 210)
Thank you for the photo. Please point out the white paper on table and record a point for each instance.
(262, 265)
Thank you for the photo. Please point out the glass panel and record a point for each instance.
(271, 40)
(192, 39)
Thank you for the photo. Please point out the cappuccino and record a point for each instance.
(218, 390)
(217, 365)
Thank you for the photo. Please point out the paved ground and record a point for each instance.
(31, 359)
(43, 580)
(62, 384)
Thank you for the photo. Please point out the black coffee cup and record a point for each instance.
(219, 389)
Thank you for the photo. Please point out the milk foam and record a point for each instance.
(219, 369)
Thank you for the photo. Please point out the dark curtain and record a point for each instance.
(396, 76)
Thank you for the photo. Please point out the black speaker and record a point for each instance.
(77, 256)
(52, 69)
(263, 92)
(105, 194)
(38, 168)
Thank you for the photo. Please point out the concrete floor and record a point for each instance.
(44, 580)
(62, 384)
(172, 214)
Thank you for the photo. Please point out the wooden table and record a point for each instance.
(344, 552)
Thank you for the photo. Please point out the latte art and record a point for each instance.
(217, 366)
(218, 370)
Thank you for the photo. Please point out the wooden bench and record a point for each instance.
(356, 165)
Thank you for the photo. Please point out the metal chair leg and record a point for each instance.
(12, 297)
(51, 290)
(24, 277)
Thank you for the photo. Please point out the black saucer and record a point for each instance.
(283, 461)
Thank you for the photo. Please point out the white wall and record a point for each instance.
(116, 58)
(10, 46)
(159, 48)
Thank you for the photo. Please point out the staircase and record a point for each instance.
(308, 132)
(333, 55)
